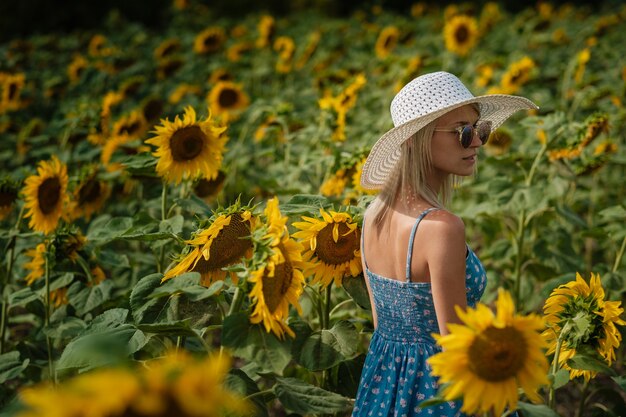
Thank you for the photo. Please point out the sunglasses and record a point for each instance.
(466, 132)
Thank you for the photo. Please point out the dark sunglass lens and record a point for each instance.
(484, 130)
(467, 135)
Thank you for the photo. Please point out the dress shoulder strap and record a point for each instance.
(362, 242)
(409, 255)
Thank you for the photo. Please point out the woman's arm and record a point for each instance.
(445, 255)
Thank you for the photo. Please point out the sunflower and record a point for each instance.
(181, 91)
(176, 384)
(88, 197)
(489, 16)
(594, 126)
(333, 246)
(460, 34)
(8, 198)
(133, 124)
(36, 265)
(223, 243)
(209, 40)
(226, 99)
(286, 47)
(110, 147)
(10, 89)
(209, 189)
(168, 67)
(267, 28)
(270, 126)
(220, 74)
(167, 48)
(152, 108)
(335, 185)
(76, 68)
(387, 41)
(499, 142)
(188, 148)
(578, 302)
(278, 280)
(581, 62)
(489, 357)
(45, 195)
(58, 297)
(516, 75)
(236, 51)
(130, 87)
(97, 48)
(309, 50)
(97, 276)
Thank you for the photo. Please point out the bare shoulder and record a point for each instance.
(445, 228)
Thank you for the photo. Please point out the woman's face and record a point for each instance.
(448, 155)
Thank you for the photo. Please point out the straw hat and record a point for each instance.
(421, 101)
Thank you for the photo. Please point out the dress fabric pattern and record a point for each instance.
(395, 376)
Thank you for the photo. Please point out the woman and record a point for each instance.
(417, 275)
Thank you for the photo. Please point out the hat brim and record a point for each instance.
(385, 153)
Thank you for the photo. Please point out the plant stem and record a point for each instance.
(555, 367)
(620, 254)
(583, 399)
(163, 217)
(47, 313)
(7, 281)
(518, 260)
(260, 394)
(235, 305)
(327, 307)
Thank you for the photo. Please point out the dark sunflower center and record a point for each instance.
(211, 42)
(171, 67)
(90, 191)
(7, 198)
(153, 109)
(207, 188)
(130, 128)
(187, 143)
(498, 354)
(230, 244)
(169, 49)
(389, 40)
(517, 77)
(49, 194)
(461, 34)
(275, 288)
(228, 98)
(13, 89)
(336, 253)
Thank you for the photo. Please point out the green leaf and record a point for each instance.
(145, 309)
(304, 204)
(326, 348)
(11, 366)
(590, 363)
(86, 298)
(173, 225)
(68, 327)
(238, 381)
(621, 381)
(561, 378)
(349, 376)
(536, 410)
(176, 328)
(357, 290)
(107, 340)
(188, 284)
(56, 283)
(303, 398)
(110, 230)
(23, 296)
(253, 343)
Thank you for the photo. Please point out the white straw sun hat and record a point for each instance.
(421, 101)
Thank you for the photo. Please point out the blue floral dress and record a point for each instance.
(396, 377)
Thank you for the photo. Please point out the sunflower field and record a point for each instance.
(180, 210)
